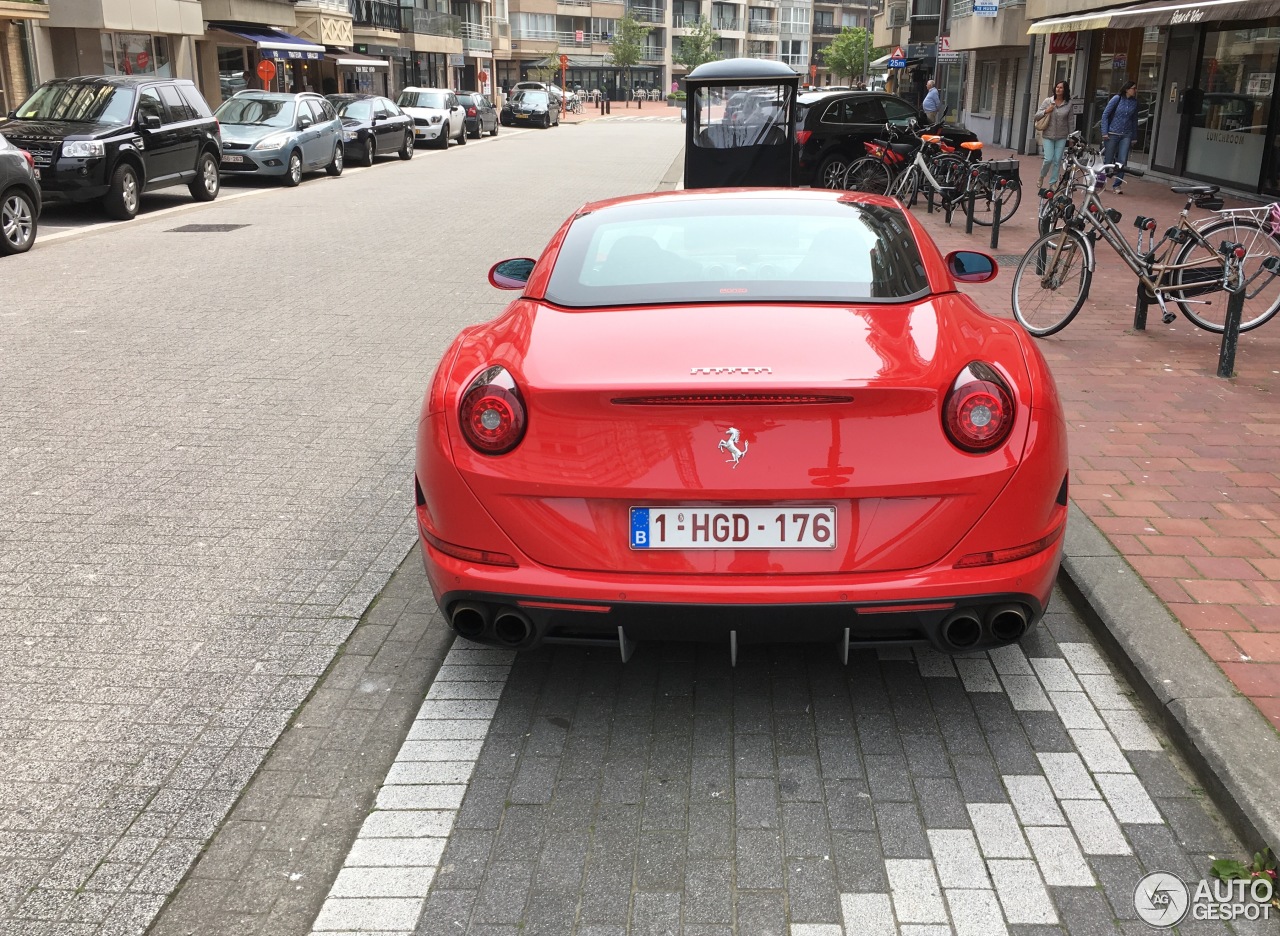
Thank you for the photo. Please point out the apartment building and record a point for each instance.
(18, 65)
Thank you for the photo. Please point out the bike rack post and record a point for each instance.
(1140, 309)
(970, 198)
(995, 212)
(1231, 333)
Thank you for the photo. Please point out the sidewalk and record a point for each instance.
(1179, 468)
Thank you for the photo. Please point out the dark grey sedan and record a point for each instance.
(481, 116)
(19, 199)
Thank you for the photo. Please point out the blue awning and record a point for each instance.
(272, 43)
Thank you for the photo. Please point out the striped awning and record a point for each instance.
(1159, 13)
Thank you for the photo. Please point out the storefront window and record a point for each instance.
(108, 55)
(1229, 130)
(135, 54)
(232, 76)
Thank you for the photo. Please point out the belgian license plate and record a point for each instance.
(522, 116)
(807, 527)
(232, 159)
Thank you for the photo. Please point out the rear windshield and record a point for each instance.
(716, 250)
(421, 99)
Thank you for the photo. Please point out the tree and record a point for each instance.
(851, 52)
(628, 43)
(697, 46)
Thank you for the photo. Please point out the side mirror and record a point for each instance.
(969, 266)
(304, 122)
(151, 122)
(511, 274)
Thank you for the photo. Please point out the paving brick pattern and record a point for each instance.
(1179, 468)
(901, 794)
(205, 479)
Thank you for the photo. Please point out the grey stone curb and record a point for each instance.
(1232, 748)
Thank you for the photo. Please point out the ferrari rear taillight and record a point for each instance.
(978, 412)
(492, 413)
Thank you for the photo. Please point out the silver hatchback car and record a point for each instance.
(280, 134)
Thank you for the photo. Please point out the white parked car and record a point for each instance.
(553, 89)
(438, 115)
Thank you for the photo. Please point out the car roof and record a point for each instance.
(120, 81)
(416, 89)
(275, 95)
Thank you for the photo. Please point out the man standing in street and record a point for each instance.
(932, 103)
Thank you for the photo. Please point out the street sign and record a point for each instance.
(564, 62)
(897, 59)
(985, 7)
(813, 71)
(266, 69)
(897, 53)
(944, 44)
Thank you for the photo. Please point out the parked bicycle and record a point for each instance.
(1186, 266)
(903, 168)
(1073, 176)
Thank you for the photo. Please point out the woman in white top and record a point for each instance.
(1054, 136)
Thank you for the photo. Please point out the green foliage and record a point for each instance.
(851, 51)
(698, 46)
(1263, 865)
(628, 41)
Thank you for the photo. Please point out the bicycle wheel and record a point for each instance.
(906, 186)
(868, 174)
(1207, 307)
(984, 201)
(1051, 282)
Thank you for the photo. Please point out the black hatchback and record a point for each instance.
(832, 126)
(110, 138)
(481, 116)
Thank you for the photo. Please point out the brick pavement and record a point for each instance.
(205, 479)
(1179, 468)
(562, 792)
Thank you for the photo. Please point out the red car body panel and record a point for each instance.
(910, 505)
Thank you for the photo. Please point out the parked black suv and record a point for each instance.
(832, 126)
(111, 138)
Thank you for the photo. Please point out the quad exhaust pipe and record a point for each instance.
(961, 629)
(470, 620)
(1007, 621)
(512, 627)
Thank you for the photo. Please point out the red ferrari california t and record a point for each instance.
(742, 415)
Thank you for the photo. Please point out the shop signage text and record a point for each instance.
(1190, 16)
(985, 7)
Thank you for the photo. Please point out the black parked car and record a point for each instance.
(111, 138)
(832, 126)
(19, 199)
(481, 114)
(373, 126)
(531, 108)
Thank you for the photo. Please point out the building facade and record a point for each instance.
(18, 64)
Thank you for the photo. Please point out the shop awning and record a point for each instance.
(344, 59)
(271, 42)
(1160, 13)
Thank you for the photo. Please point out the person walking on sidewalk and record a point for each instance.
(1120, 129)
(1054, 135)
(932, 103)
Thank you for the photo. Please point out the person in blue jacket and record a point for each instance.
(1120, 129)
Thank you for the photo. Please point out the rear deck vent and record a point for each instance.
(733, 399)
(206, 228)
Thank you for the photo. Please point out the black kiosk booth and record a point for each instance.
(740, 126)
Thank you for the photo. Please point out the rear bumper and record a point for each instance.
(878, 609)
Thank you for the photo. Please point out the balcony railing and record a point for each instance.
(650, 54)
(771, 56)
(648, 14)
(574, 3)
(788, 59)
(429, 22)
(498, 28)
(375, 13)
(826, 29)
(686, 22)
(333, 6)
(725, 24)
(561, 37)
(764, 27)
